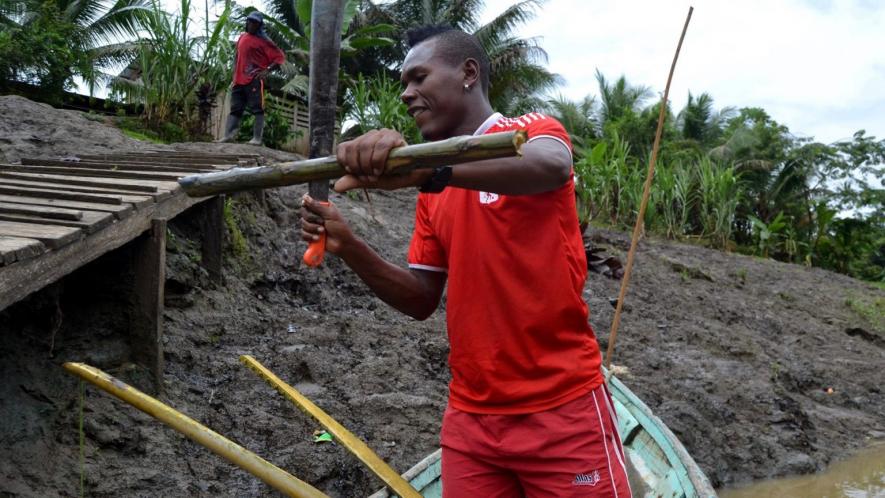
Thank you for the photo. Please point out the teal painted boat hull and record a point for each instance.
(658, 464)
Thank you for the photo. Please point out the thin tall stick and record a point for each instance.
(637, 228)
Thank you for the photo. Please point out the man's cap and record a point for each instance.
(255, 16)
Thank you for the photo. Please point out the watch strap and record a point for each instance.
(438, 181)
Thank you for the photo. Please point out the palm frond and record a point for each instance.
(122, 20)
(499, 28)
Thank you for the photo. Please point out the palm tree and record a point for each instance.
(289, 27)
(619, 100)
(67, 38)
(698, 120)
(578, 118)
(518, 76)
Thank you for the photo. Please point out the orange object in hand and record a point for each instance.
(316, 250)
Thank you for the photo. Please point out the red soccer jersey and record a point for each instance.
(254, 54)
(517, 323)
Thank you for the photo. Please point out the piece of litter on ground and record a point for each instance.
(620, 371)
(322, 437)
(291, 328)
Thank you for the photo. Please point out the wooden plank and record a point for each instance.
(192, 153)
(41, 211)
(14, 249)
(22, 278)
(241, 155)
(189, 160)
(116, 165)
(111, 183)
(107, 173)
(92, 221)
(119, 211)
(57, 194)
(52, 237)
(139, 201)
(137, 198)
(146, 316)
(156, 185)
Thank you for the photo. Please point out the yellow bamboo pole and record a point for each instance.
(353, 444)
(274, 476)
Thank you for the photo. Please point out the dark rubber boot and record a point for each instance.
(230, 131)
(257, 130)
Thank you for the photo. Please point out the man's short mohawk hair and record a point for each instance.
(454, 46)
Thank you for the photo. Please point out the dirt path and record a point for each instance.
(734, 353)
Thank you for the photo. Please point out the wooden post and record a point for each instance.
(325, 54)
(146, 318)
(212, 223)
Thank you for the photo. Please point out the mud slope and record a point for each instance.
(735, 354)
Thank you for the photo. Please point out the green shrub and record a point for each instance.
(375, 103)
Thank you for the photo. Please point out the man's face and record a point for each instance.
(434, 91)
(251, 26)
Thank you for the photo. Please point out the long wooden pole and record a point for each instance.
(274, 476)
(637, 228)
(353, 444)
(454, 150)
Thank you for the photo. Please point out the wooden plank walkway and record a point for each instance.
(57, 214)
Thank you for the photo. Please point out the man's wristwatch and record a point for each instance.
(438, 182)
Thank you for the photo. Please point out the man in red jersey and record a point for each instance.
(256, 57)
(529, 414)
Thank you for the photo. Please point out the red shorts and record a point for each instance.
(572, 450)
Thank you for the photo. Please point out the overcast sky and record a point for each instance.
(817, 66)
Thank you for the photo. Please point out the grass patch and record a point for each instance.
(134, 128)
(872, 310)
(142, 136)
(237, 239)
(94, 116)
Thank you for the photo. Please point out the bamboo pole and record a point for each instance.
(637, 228)
(353, 444)
(454, 150)
(274, 476)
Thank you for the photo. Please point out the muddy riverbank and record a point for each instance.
(761, 368)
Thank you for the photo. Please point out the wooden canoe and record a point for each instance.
(658, 464)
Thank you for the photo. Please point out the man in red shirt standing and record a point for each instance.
(529, 414)
(256, 56)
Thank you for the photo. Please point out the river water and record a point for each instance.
(861, 476)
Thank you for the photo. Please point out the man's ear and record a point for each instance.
(471, 72)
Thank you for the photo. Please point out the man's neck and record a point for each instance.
(477, 113)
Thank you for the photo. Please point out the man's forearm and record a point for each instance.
(545, 166)
(396, 286)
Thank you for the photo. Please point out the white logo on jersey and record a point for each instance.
(487, 197)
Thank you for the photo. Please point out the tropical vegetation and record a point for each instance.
(176, 75)
(731, 178)
(49, 44)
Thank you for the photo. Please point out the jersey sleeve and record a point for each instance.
(425, 250)
(542, 126)
(274, 54)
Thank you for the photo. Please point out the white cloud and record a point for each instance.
(816, 66)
